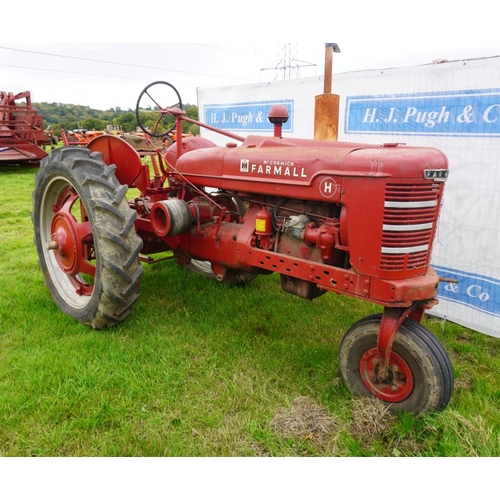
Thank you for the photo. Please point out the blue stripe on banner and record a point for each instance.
(247, 116)
(458, 113)
(478, 292)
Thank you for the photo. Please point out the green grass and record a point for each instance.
(201, 369)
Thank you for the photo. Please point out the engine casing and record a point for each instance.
(388, 196)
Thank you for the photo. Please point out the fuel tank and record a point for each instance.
(304, 169)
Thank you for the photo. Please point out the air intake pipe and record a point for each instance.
(171, 217)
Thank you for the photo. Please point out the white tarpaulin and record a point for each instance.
(453, 106)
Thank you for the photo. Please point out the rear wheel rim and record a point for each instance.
(69, 262)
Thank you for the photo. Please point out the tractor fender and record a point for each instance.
(128, 163)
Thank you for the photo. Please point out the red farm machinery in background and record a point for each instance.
(22, 134)
(327, 216)
(79, 137)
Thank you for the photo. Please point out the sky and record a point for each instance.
(104, 56)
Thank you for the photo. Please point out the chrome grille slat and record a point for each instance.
(410, 212)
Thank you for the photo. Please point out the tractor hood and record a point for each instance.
(301, 168)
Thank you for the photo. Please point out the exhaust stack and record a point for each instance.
(326, 110)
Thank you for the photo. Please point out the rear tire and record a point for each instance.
(421, 375)
(80, 210)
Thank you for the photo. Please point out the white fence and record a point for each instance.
(454, 106)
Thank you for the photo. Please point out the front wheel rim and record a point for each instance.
(397, 387)
(202, 265)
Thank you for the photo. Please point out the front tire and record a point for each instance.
(421, 375)
(85, 237)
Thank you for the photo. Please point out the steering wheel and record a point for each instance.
(149, 102)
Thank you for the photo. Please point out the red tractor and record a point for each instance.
(328, 216)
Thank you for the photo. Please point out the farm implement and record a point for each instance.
(22, 135)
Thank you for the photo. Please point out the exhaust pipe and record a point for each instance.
(326, 109)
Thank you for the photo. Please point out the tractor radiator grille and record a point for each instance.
(410, 213)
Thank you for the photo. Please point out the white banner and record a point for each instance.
(453, 106)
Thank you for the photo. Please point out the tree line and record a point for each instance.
(74, 116)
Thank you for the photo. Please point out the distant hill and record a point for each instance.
(72, 116)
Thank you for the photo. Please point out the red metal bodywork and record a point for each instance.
(349, 218)
(22, 135)
(375, 210)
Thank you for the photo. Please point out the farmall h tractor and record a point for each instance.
(327, 216)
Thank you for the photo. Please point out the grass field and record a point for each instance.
(201, 369)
